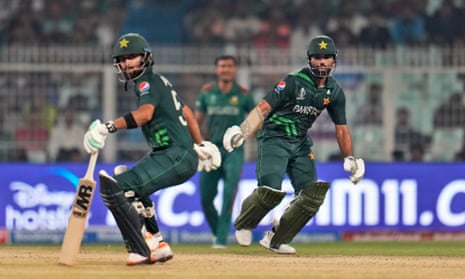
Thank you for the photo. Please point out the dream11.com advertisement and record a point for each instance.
(411, 201)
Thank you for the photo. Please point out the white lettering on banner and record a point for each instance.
(166, 207)
(31, 212)
(392, 191)
(38, 219)
(365, 194)
(393, 203)
(28, 196)
(361, 203)
(445, 215)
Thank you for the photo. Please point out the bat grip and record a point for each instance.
(91, 166)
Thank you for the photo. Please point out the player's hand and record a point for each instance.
(209, 156)
(356, 166)
(94, 138)
(233, 138)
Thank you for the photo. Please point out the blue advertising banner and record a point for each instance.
(400, 197)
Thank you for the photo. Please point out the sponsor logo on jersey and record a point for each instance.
(281, 85)
(307, 110)
(144, 87)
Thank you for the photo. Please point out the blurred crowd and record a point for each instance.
(233, 23)
(47, 116)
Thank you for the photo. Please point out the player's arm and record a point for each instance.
(235, 135)
(135, 118)
(356, 166)
(95, 137)
(193, 125)
(344, 140)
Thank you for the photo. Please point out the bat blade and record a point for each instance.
(78, 216)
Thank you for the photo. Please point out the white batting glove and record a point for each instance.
(209, 156)
(233, 138)
(356, 166)
(94, 138)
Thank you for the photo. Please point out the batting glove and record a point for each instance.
(233, 138)
(94, 138)
(356, 166)
(209, 156)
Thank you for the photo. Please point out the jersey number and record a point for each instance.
(178, 106)
(177, 103)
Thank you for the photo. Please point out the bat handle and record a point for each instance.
(91, 166)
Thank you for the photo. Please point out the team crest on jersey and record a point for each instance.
(233, 100)
(144, 87)
(326, 101)
(281, 85)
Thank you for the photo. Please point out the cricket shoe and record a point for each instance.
(162, 253)
(282, 249)
(135, 259)
(159, 248)
(244, 237)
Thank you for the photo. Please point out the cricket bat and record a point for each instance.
(78, 216)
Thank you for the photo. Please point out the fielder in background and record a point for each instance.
(222, 104)
(175, 141)
(284, 115)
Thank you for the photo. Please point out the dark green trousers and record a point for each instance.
(230, 173)
(278, 157)
(158, 170)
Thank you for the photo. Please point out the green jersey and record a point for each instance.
(167, 126)
(223, 110)
(296, 103)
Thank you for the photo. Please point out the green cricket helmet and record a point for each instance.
(127, 45)
(322, 45)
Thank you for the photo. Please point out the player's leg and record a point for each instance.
(232, 167)
(270, 171)
(127, 218)
(154, 172)
(159, 170)
(295, 217)
(146, 209)
(144, 206)
(310, 196)
(208, 190)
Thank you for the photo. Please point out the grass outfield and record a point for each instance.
(314, 260)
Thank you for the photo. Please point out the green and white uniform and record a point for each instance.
(283, 144)
(172, 160)
(222, 111)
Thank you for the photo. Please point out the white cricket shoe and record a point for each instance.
(160, 249)
(283, 248)
(135, 259)
(162, 253)
(244, 237)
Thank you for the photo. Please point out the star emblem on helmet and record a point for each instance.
(123, 43)
(323, 45)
